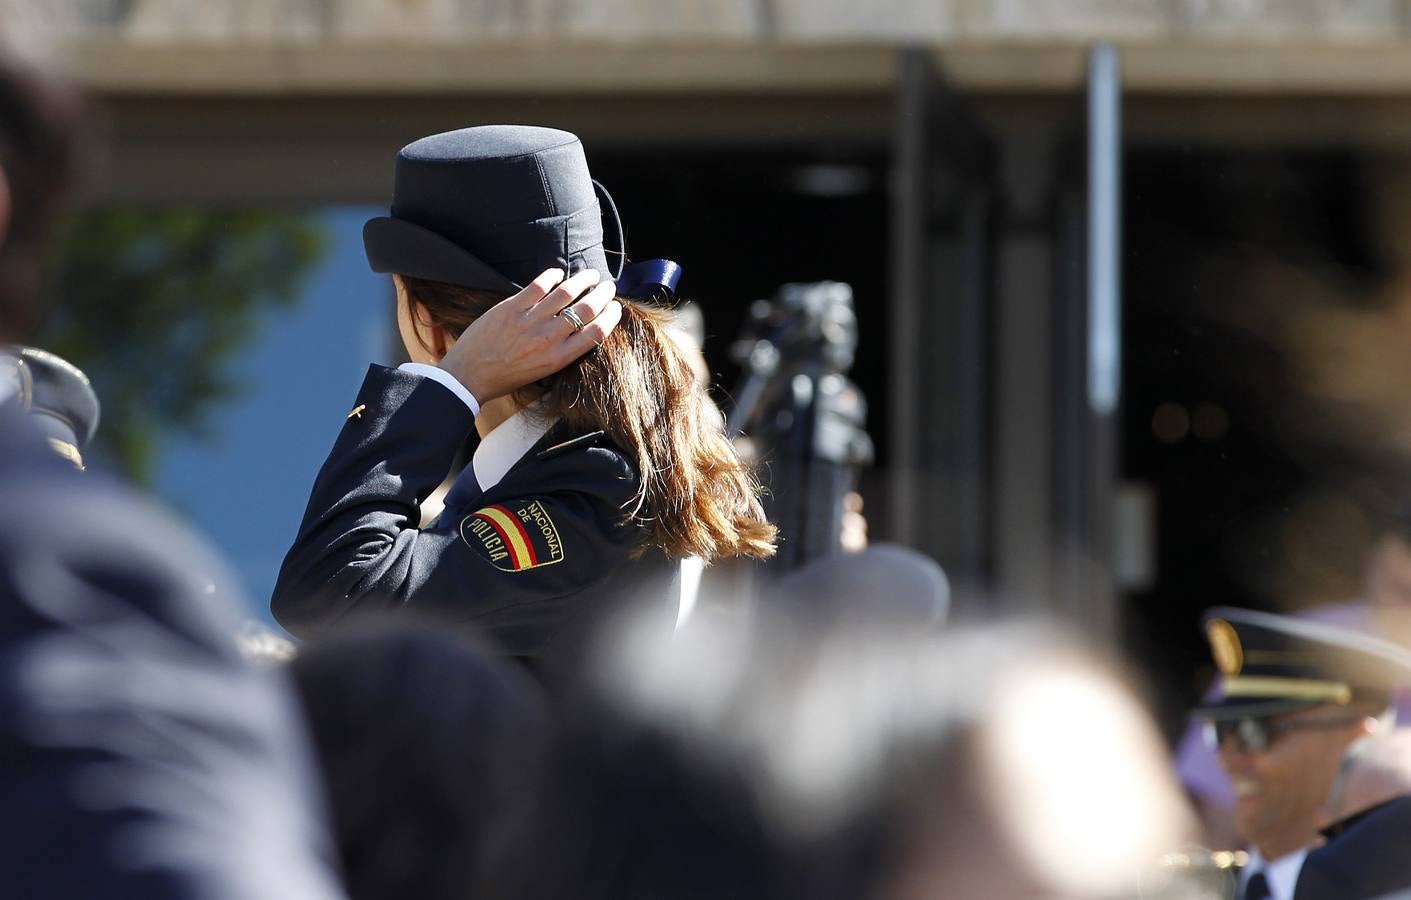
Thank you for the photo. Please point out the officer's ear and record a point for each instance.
(418, 330)
(433, 337)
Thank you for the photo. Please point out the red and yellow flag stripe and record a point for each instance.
(512, 532)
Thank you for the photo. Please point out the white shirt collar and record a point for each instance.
(1280, 874)
(506, 445)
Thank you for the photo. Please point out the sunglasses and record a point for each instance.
(1257, 733)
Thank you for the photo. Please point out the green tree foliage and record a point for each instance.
(154, 305)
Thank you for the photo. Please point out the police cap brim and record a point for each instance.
(405, 248)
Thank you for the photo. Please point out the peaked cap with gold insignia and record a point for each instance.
(1271, 664)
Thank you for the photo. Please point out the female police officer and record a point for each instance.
(596, 466)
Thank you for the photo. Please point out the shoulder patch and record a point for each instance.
(514, 537)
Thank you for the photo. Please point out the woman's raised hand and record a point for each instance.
(529, 335)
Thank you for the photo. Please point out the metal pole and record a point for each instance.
(909, 210)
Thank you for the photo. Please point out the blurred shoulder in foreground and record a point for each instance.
(140, 757)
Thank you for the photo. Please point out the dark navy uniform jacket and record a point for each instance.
(533, 561)
(1365, 857)
(140, 756)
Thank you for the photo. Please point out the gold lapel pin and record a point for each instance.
(357, 411)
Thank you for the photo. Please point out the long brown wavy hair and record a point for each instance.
(696, 496)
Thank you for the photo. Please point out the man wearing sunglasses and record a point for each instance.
(1294, 695)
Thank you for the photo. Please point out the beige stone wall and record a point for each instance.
(441, 21)
(565, 47)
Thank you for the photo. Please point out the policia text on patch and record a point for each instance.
(514, 540)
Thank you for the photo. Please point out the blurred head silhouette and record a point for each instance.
(774, 759)
(427, 743)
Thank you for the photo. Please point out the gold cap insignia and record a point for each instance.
(67, 451)
(1225, 646)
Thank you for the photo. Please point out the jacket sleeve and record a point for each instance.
(502, 566)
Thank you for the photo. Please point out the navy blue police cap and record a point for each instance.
(1273, 664)
(492, 206)
(58, 397)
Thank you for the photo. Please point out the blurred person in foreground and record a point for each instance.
(1364, 854)
(139, 756)
(428, 745)
(1294, 695)
(767, 759)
